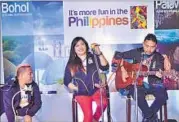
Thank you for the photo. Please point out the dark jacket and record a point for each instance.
(34, 99)
(1, 102)
(85, 82)
(137, 55)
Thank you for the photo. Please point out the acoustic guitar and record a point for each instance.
(132, 70)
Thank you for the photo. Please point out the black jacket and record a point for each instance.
(85, 82)
(34, 98)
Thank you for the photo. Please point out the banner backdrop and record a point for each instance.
(167, 32)
(40, 33)
(108, 22)
(32, 32)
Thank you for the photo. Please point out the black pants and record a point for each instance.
(160, 94)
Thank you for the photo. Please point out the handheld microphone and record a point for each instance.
(94, 45)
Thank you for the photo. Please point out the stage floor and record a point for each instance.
(57, 108)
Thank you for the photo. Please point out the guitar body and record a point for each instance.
(132, 70)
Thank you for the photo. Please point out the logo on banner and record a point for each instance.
(138, 17)
(171, 10)
(15, 8)
(167, 4)
(98, 18)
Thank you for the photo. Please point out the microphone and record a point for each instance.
(94, 45)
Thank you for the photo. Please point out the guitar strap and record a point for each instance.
(112, 76)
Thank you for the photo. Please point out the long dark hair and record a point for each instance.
(74, 61)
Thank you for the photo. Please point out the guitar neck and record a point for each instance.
(173, 74)
(142, 73)
(164, 73)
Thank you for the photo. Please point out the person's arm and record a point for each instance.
(72, 87)
(127, 54)
(7, 101)
(102, 59)
(131, 54)
(103, 63)
(159, 65)
(67, 80)
(167, 64)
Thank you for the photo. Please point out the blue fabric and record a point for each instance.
(157, 85)
(123, 92)
(146, 85)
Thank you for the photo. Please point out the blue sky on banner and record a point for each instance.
(25, 23)
(32, 18)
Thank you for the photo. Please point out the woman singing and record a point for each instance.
(81, 76)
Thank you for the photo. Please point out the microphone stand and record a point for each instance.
(136, 89)
(100, 82)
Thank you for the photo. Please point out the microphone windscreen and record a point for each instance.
(94, 45)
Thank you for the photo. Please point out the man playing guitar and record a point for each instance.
(148, 84)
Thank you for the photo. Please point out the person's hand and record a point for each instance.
(102, 85)
(96, 48)
(159, 74)
(167, 64)
(75, 88)
(123, 71)
(27, 118)
(124, 74)
(72, 87)
(144, 62)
